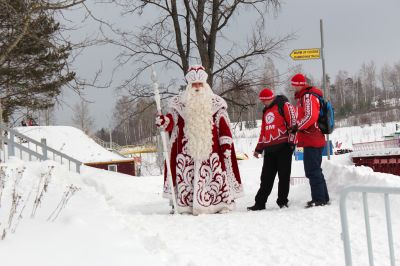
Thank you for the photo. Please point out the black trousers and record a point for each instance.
(276, 160)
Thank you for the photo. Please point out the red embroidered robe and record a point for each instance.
(212, 185)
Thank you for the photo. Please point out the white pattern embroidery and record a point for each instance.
(211, 184)
(184, 180)
(236, 190)
(205, 189)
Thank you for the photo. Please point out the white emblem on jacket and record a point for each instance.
(269, 118)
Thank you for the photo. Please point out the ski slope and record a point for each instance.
(115, 219)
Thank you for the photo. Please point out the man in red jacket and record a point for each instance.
(310, 137)
(278, 145)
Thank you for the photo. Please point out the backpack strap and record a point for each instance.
(281, 103)
(313, 93)
(280, 109)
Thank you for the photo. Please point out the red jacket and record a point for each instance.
(309, 135)
(274, 126)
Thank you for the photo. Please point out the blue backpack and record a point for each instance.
(326, 118)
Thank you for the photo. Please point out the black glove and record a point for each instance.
(293, 129)
(257, 154)
(292, 147)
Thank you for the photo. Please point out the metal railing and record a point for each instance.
(106, 144)
(113, 147)
(375, 145)
(34, 148)
(344, 220)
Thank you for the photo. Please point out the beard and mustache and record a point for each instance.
(198, 122)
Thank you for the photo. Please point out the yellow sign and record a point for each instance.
(306, 54)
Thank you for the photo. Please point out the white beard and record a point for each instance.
(198, 122)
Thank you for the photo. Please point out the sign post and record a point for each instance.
(315, 53)
(306, 54)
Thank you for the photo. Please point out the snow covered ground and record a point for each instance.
(116, 219)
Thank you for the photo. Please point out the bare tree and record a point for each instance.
(190, 31)
(271, 77)
(82, 117)
(46, 116)
(138, 128)
(394, 81)
(368, 78)
(385, 83)
(343, 93)
(121, 113)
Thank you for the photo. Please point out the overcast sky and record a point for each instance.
(355, 31)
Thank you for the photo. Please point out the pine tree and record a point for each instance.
(34, 71)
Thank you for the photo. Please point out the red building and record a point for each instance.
(125, 166)
(381, 156)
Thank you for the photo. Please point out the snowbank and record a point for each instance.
(71, 141)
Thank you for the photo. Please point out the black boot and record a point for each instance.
(283, 205)
(309, 203)
(312, 203)
(256, 207)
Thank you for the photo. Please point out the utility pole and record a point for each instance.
(110, 129)
(326, 90)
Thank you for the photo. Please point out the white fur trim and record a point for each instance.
(225, 140)
(175, 131)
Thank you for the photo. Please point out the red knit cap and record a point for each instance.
(266, 94)
(299, 80)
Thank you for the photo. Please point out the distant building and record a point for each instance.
(125, 166)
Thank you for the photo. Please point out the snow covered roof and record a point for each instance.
(71, 141)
